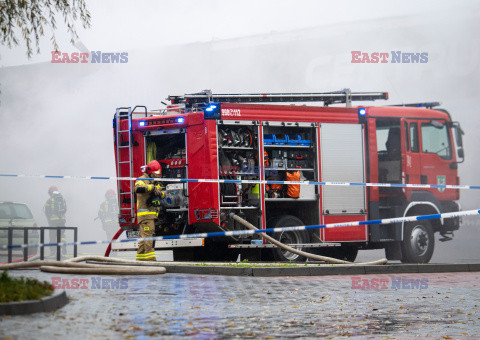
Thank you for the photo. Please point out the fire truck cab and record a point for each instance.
(266, 137)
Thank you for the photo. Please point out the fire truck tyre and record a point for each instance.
(418, 242)
(289, 237)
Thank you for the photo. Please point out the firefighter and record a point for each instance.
(149, 194)
(55, 209)
(108, 214)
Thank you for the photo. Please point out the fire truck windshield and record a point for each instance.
(435, 140)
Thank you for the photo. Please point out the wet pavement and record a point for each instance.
(207, 307)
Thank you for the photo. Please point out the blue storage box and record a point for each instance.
(269, 139)
(281, 140)
(297, 140)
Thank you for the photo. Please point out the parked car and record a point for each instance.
(17, 215)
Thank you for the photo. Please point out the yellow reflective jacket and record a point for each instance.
(55, 209)
(145, 190)
(108, 212)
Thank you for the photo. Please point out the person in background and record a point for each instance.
(55, 209)
(108, 214)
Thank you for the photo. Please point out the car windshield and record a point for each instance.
(14, 211)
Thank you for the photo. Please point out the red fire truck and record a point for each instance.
(272, 137)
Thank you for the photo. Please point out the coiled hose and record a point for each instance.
(299, 252)
(72, 266)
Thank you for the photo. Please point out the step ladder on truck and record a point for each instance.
(263, 137)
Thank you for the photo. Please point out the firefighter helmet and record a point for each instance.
(52, 189)
(153, 168)
(110, 193)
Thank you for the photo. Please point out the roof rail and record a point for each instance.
(336, 97)
(428, 105)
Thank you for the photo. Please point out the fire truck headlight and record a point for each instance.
(142, 123)
(180, 120)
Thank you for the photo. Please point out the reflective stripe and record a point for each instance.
(146, 259)
(146, 256)
(146, 213)
(150, 187)
(56, 218)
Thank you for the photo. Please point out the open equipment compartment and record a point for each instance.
(168, 147)
(238, 160)
(291, 147)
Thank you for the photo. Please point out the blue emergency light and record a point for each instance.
(211, 107)
(180, 120)
(362, 113)
(212, 111)
(142, 123)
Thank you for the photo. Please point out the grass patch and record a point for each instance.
(22, 289)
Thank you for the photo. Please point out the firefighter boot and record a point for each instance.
(145, 250)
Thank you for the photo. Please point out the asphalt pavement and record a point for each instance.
(209, 306)
(439, 305)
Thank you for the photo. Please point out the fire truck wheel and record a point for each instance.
(289, 237)
(418, 242)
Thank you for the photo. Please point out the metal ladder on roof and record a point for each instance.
(345, 96)
(125, 164)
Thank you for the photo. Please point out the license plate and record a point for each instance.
(133, 234)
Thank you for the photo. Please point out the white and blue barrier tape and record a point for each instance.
(248, 181)
(251, 232)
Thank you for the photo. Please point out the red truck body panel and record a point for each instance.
(202, 155)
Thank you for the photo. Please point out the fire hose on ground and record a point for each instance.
(299, 252)
(73, 266)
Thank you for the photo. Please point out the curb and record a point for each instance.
(47, 304)
(319, 270)
(200, 268)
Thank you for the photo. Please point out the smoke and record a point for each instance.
(56, 119)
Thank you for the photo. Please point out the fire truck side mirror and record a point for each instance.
(460, 153)
(458, 139)
(458, 136)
